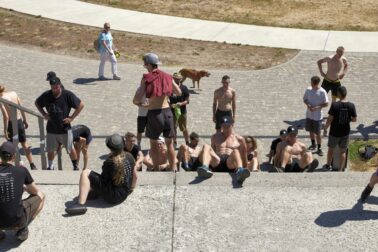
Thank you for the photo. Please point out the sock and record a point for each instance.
(74, 163)
(50, 163)
(312, 142)
(319, 146)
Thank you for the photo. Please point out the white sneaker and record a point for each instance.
(116, 77)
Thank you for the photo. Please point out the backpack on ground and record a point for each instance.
(367, 151)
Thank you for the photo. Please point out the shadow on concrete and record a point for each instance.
(34, 151)
(85, 81)
(197, 180)
(10, 241)
(95, 203)
(103, 157)
(365, 131)
(339, 217)
(193, 92)
(299, 124)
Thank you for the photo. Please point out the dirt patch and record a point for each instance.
(354, 15)
(77, 40)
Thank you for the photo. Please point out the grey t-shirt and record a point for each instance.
(315, 98)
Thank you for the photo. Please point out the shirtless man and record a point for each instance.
(162, 163)
(157, 86)
(22, 123)
(228, 153)
(292, 155)
(188, 154)
(224, 102)
(336, 68)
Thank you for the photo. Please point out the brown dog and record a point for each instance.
(194, 75)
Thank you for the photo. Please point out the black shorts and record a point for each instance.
(313, 126)
(160, 121)
(21, 131)
(293, 167)
(194, 163)
(218, 116)
(331, 85)
(222, 166)
(105, 190)
(141, 123)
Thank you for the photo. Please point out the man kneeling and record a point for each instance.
(116, 182)
(227, 154)
(292, 155)
(16, 213)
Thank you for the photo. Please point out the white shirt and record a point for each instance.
(315, 98)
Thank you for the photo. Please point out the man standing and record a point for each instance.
(16, 213)
(157, 86)
(224, 102)
(107, 52)
(315, 98)
(230, 153)
(180, 102)
(340, 115)
(58, 103)
(293, 156)
(336, 69)
(21, 123)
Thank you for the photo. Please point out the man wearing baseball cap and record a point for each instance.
(157, 86)
(292, 155)
(16, 213)
(227, 154)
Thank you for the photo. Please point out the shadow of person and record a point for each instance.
(365, 131)
(34, 151)
(299, 124)
(197, 180)
(85, 81)
(339, 217)
(193, 92)
(98, 202)
(103, 157)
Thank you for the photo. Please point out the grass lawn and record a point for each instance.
(355, 15)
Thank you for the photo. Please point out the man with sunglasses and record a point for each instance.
(293, 156)
(107, 52)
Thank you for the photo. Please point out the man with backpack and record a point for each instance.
(107, 51)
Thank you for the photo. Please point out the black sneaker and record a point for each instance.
(76, 168)
(33, 167)
(311, 167)
(312, 147)
(320, 152)
(204, 172)
(185, 166)
(50, 168)
(22, 234)
(277, 169)
(327, 167)
(76, 209)
(242, 174)
(365, 194)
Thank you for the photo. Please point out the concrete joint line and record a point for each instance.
(326, 41)
(173, 210)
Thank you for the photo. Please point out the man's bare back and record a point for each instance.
(13, 97)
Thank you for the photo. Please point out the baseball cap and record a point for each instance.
(283, 132)
(151, 58)
(161, 139)
(292, 129)
(50, 75)
(8, 148)
(115, 142)
(226, 120)
(55, 81)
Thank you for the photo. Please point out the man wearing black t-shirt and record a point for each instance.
(340, 115)
(16, 213)
(55, 105)
(134, 150)
(180, 102)
(274, 144)
(82, 137)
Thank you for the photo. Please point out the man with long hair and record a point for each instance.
(114, 184)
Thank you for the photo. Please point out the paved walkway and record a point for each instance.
(176, 212)
(95, 15)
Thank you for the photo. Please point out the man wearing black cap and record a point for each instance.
(16, 213)
(293, 156)
(340, 115)
(274, 144)
(231, 153)
(55, 105)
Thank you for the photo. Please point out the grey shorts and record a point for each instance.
(313, 126)
(54, 140)
(342, 142)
